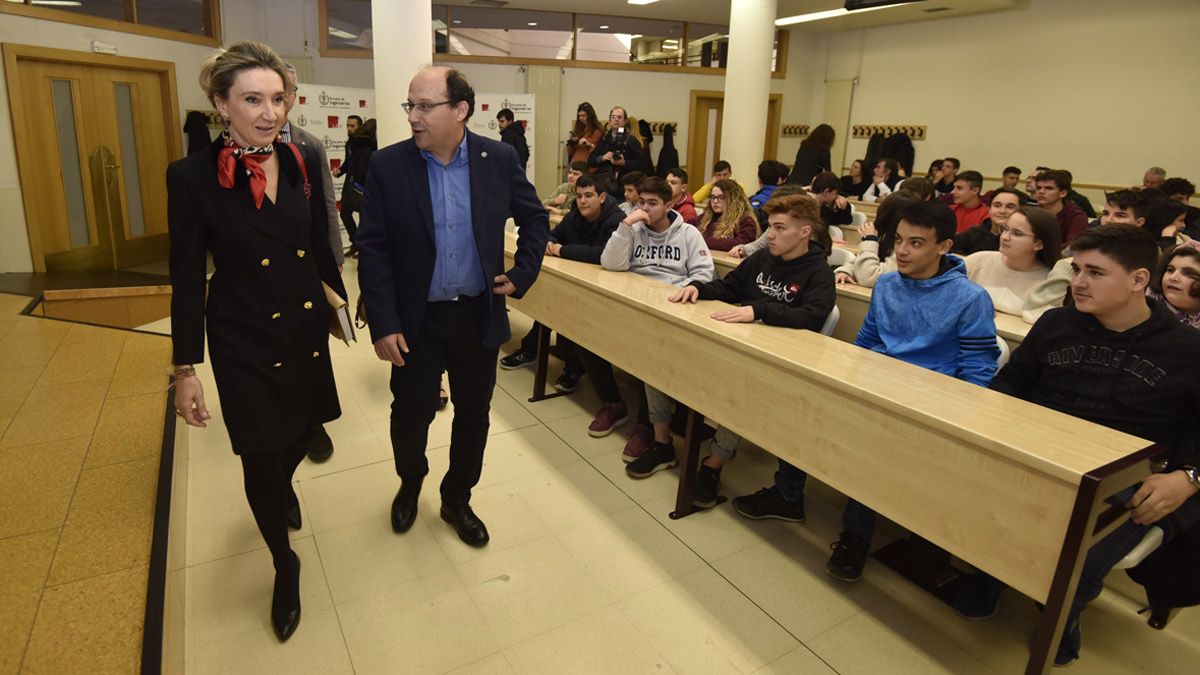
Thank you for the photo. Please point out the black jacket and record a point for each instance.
(796, 293)
(832, 215)
(1142, 381)
(514, 135)
(582, 240)
(632, 150)
(977, 238)
(809, 162)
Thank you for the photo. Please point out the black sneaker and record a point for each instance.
(517, 359)
(567, 382)
(708, 485)
(660, 456)
(769, 503)
(849, 557)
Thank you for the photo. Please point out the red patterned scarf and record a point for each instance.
(251, 158)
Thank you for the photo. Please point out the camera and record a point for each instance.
(619, 137)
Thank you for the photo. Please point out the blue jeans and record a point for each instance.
(790, 482)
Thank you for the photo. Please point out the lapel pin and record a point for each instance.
(483, 154)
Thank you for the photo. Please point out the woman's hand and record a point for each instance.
(867, 229)
(189, 401)
(843, 278)
(736, 251)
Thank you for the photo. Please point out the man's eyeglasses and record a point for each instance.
(423, 108)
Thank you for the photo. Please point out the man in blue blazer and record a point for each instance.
(431, 270)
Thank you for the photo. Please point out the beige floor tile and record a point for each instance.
(18, 350)
(717, 532)
(142, 343)
(26, 562)
(82, 333)
(800, 661)
(516, 454)
(574, 431)
(495, 664)
(355, 444)
(4, 422)
(362, 493)
(102, 616)
(700, 623)
(129, 427)
(365, 558)
(36, 484)
(56, 412)
(431, 627)
(568, 494)
(110, 521)
(509, 520)
(603, 642)
(28, 325)
(530, 589)
(140, 372)
(231, 598)
(317, 647)
(12, 304)
(18, 382)
(82, 361)
(661, 486)
(627, 552)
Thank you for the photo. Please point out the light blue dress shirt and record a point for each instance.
(457, 269)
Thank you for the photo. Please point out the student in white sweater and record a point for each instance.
(1029, 247)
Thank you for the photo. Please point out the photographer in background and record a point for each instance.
(618, 152)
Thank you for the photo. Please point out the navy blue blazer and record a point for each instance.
(396, 244)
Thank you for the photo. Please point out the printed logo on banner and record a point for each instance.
(327, 141)
(333, 121)
(485, 107)
(303, 100)
(323, 98)
(302, 120)
(328, 101)
(334, 163)
(362, 103)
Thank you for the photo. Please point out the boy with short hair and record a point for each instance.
(721, 170)
(1008, 179)
(1051, 187)
(945, 184)
(1118, 359)
(930, 315)
(790, 284)
(559, 201)
(969, 209)
(681, 199)
(835, 210)
(653, 241)
(629, 188)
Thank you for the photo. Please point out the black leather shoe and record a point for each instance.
(320, 448)
(404, 506)
(285, 603)
(1159, 616)
(468, 525)
(293, 518)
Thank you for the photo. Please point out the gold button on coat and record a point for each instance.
(277, 364)
(276, 315)
(266, 262)
(308, 304)
(316, 354)
(299, 253)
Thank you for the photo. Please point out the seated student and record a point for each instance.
(835, 210)
(653, 241)
(875, 252)
(883, 179)
(581, 236)
(629, 190)
(1166, 220)
(1122, 207)
(945, 184)
(747, 250)
(1052, 187)
(681, 200)
(1158, 401)
(787, 285)
(1082, 202)
(1028, 249)
(729, 220)
(1153, 178)
(854, 184)
(986, 235)
(559, 201)
(1176, 282)
(1009, 179)
(969, 209)
(930, 315)
(1181, 190)
(771, 174)
(934, 172)
(721, 170)
(1031, 186)
(923, 187)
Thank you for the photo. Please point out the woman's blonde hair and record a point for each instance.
(221, 68)
(737, 205)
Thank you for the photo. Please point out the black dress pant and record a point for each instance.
(347, 214)
(450, 340)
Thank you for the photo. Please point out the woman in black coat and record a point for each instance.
(813, 156)
(247, 200)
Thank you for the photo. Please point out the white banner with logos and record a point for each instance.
(483, 122)
(322, 110)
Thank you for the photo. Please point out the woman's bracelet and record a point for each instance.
(184, 371)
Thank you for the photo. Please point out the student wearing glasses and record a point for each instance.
(1028, 249)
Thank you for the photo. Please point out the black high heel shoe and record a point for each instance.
(293, 517)
(1159, 616)
(285, 601)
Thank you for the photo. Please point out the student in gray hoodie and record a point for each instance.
(653, 241)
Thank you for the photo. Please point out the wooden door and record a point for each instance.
(704, 139)
(93, 145)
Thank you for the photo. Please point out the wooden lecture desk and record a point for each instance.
(1010, 487)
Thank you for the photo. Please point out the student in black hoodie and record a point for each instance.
(789, 284)
(513, 134)
(1124, 361)
(581, 236)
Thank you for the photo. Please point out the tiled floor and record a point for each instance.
(585, 572)
(81, 421)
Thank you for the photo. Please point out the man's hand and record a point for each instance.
(607, 157)
(503, 286)
(637, 215)
(841, 202)
(1159, 496)
(737, 251)
(843, 278)
(391, 348)
(189, 401)
(867, 229)
(553, 248)
(559, 200)
(685, 294)
(737, 315)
